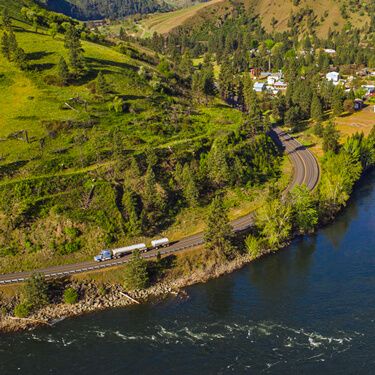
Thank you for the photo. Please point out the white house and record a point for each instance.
(259, 86)
(333, 76)
(274, 78)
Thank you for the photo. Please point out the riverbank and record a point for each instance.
(95, 297)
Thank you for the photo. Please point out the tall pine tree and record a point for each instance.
(219, 234)
(74, 47)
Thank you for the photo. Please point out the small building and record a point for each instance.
(280, 85)
(259, 87)
(265, 74)
(358, 104)
(333, 77)
(93, 24)
(275, 77)
(370, 89)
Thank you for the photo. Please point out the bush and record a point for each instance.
(254, 246)
(70, 296)
(22, 310)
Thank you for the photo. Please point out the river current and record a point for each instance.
(309, 309)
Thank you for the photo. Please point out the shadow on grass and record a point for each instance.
(96, 62)
(38, 55)
(41, 67)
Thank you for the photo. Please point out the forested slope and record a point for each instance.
(102, 145)
(113, 9)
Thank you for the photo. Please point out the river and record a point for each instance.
(309, 309)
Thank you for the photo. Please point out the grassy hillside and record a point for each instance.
(72, 168)
(330, 14)
(165, 22)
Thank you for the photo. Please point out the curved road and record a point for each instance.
(306, 171)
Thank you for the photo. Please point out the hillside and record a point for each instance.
(326, 14)
(113, 9)
(109, 148)
(164, 23)
(279, 15)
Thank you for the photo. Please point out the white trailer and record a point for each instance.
(128, 250)
(163, 242)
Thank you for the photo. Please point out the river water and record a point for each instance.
(310, 309)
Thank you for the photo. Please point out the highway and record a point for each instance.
(306, 171)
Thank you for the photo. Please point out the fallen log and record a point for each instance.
(131, 299)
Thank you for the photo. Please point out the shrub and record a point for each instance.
(22, 310)
(70, 296)
(253, 245)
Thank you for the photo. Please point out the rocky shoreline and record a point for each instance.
(93, 299)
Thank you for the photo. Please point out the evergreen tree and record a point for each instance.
(134, 224)
(6, 19)
(279, 108)
(248, 91)
(74, 47)
(316, 109)
(292, 117)
(318, 129)
(150, 191)
(63, 71)
(5, 50)
(219, 234)
(254, 119)
(190, 189)
(185, 66)
(331, 138)
(20, 58)
(122, 34)
(337, 102)
(101, 84)
(13, 45)
(153, 201)
(218, 167)
(136, 273)
(208, 81)
(36, 291)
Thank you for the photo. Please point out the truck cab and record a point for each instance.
(104, 255)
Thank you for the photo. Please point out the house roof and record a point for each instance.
(259, 84)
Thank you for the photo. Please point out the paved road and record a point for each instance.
(306, 171)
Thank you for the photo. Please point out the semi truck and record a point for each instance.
(163, 242)
(121, 251)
